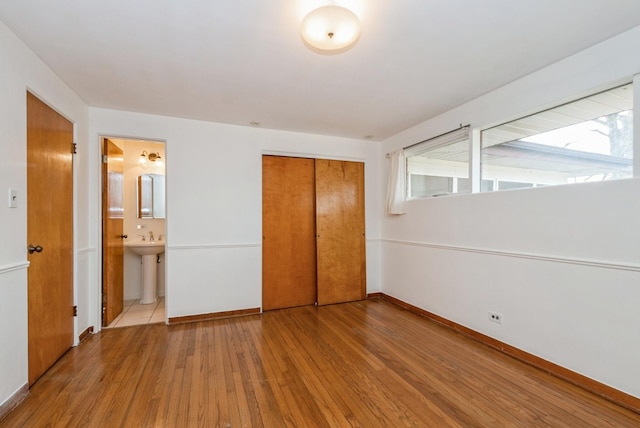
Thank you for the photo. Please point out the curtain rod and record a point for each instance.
(432, 138)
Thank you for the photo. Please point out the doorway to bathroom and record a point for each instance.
(133, 232)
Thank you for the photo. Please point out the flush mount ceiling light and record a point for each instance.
(330, 29)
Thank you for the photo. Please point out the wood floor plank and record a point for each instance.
(359, 364)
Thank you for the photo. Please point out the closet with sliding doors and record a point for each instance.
(313, 243)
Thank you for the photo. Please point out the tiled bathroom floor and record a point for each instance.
(134, 313)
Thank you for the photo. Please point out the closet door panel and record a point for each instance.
(288, 229)
(340, 240)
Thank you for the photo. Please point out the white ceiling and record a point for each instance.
(238, 61)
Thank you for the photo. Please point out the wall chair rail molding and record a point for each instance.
(13, 267)
(552, 259)
(212, 246)
(86, 251)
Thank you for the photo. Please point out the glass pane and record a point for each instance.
(431, 172)
(464, 185)
(507, 185)
(587, 140)
(423, 186)
(486, 186)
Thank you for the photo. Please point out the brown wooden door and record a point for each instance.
(340, 231)
(112, 231)
(288, 229)
(49, 226)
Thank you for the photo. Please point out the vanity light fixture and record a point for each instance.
(143, 157)
(153, 157)
(331, 29)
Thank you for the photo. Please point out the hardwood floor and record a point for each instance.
(367, 364)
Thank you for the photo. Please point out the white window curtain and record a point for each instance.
(396, 193)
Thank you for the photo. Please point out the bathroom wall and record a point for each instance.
(132, 169)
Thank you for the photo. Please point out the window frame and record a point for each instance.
(475, 162)
(440, 141)
(576, 103)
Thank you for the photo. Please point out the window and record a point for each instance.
(507, 185)
(590, 139)
(439, 166)
(464, 185)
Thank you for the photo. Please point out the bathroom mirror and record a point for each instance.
(151, 199)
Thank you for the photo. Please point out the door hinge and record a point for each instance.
(75, 311)
(74, 148)
(104, 159)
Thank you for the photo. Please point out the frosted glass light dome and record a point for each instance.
(331, 28)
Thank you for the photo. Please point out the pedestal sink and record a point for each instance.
(149, 251)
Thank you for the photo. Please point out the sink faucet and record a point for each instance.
(150, 235)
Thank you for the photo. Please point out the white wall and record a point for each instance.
(559, 263)
(20, 71)
(214, 208)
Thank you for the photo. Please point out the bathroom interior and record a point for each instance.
(144, 219)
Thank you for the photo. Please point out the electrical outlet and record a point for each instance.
(495, 317)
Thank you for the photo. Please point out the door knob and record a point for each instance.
(34, 249)
(124, 236)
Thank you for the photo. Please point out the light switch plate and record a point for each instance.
(13, 198)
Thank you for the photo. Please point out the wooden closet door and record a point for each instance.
(340, 232)
(288, 229)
